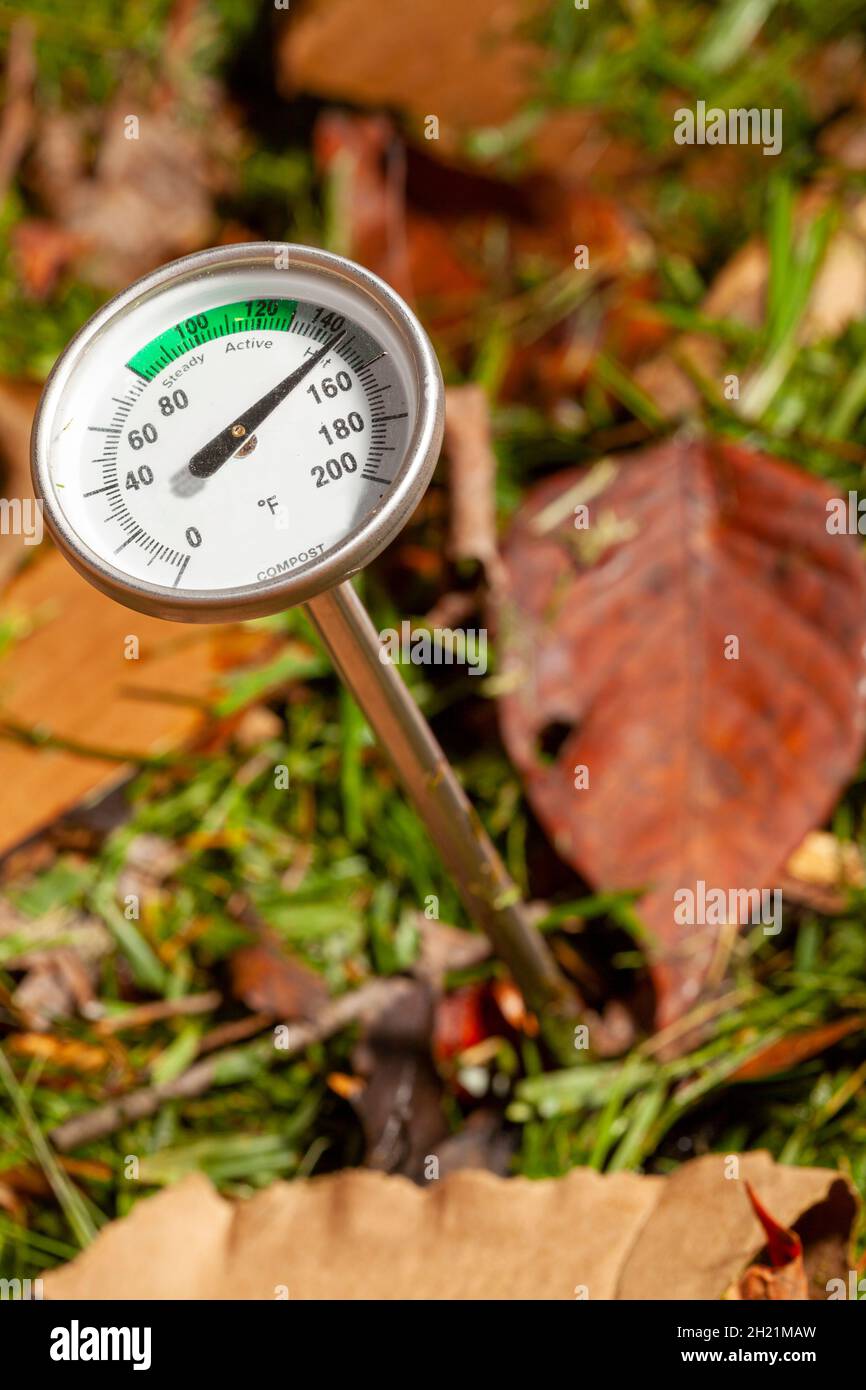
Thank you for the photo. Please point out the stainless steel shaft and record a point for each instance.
(488, 893)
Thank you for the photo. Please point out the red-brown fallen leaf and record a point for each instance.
(460, 1021)
(68, 1053)
(783, 1245)
(832, 75)
(513, 1008)
(16, 120)
(139, 196)
(472, 1013)
(465, 61)
(785, 1277)
(400, 1103)
(776, 1285)
(844, 142)
(365, 160)
(613, 640)
(739, 292)
(444, 948)
(415, 251)
(799, 1047)
(58, 983)
(12, 1204)
(472, 478)
(17, 404)
(43, 250)
(32, 1181)
(469, 63)
(345, 1086)
(270, 981)
(425, 228)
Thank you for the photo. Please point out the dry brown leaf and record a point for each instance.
(469, 65)
(445, 948)
(464, 61)
(257, 725)
(58, 984)
(148, 195)
(148, 862)
(16, 121)
(18, 401)
(472, 478)
(363, 1235)
(365, 161)
(71, 1054)
(832, 75)
(42, 252)
(62, 928)
(17, 404)
(837, 299)
(157, 188)
(153, 856)
(400, 1107)
(31, 1181)
(798, 1047)
(425, 229)
(481, 1143)
(738, 292)
(694, 767)
(703, 1231)
(345, 1086)
(59, 953)
(269, 980)
(76, 645)
(577, 146)
(838, 296)
(363, 158)
(784, 1279)
(844, 142)
(666, 381)
(60, 153)
(827, 862)
(11, 1203)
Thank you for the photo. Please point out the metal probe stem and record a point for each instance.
(488, 893)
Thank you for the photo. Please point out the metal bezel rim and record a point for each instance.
(346, 558)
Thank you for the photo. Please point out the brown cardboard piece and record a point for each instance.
(365, 1235)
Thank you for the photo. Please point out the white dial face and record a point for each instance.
(231, 430)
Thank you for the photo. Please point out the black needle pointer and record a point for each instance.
(228, 441)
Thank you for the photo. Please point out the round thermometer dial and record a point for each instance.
(237, 432)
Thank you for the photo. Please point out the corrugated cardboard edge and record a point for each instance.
(364, 1235)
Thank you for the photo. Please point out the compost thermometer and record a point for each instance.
(239, 432)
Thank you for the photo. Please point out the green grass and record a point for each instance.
(338, 864)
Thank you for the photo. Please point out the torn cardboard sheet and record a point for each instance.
(365, 1235)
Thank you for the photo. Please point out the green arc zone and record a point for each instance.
(275, 315)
